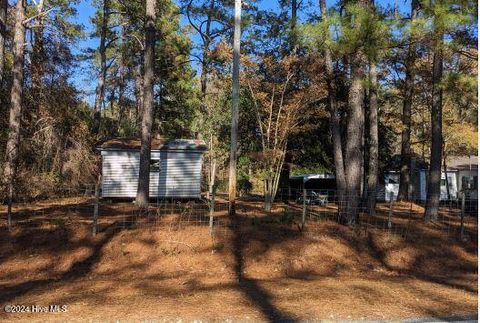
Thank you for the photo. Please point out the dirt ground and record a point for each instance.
(255, 267)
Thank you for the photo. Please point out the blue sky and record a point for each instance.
(85, 79)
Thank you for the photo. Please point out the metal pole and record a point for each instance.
(232, 175)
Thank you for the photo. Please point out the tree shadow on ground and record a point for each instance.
(262, 235)
(257, 295)
(77, 270)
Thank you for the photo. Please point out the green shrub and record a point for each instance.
(244, 186)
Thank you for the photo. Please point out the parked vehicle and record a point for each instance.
(313, 198)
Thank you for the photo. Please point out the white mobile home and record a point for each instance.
(467, 174)
(175, 167)
(461, 175)
(392, 184)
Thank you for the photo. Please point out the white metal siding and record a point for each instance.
(179, 175)
(452, 179)
(390, 185)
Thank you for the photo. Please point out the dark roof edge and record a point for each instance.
(156, 149)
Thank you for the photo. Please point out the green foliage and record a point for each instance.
(341, 34)
(448, 14)
(461, 92)
(244, 170)
(176, 92)
(308, 170)
(56, 145)
(310, 150)
(179, 96)
(244, 186)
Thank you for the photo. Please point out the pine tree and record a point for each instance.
(372, 177)
(404, 187)
(446, 16)
(3, 35)
(333, 107)
(16, 95)
(148, 102)
(100, 91)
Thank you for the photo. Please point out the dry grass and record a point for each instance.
(256, 268)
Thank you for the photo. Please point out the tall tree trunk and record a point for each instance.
(3, 35)
(434, 174)
(293, 28)
(205, 67)
(139, 95)
(232, 173)
(147, 113)
(355, 128)
(205, 58)
(213, 167)
(121, 82)
(353, 149)
(204, 89)
(404, 188)
(294, 14)
(16, 96)
(38, 69)
(111, 100)
(373, 140)
(268, 194)
(364, 148)
(334, 118)
(100, 91)
(38, 57)
(445, 171)
(212, 170)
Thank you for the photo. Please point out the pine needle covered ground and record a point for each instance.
(256, 267)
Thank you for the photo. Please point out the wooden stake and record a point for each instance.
(95, 206)
(462, 216)
(304, 210)
(390, 213)
(212, 209)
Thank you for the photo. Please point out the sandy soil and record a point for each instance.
(256, 267)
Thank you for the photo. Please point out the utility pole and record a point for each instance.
(232, 174)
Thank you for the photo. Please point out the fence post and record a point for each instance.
(9, 206)
(462, 215)
(212, 210)
(390, 212)
(409, 218)
(95, 206)
(304, 209)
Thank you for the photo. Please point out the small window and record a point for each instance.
(154, 165)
